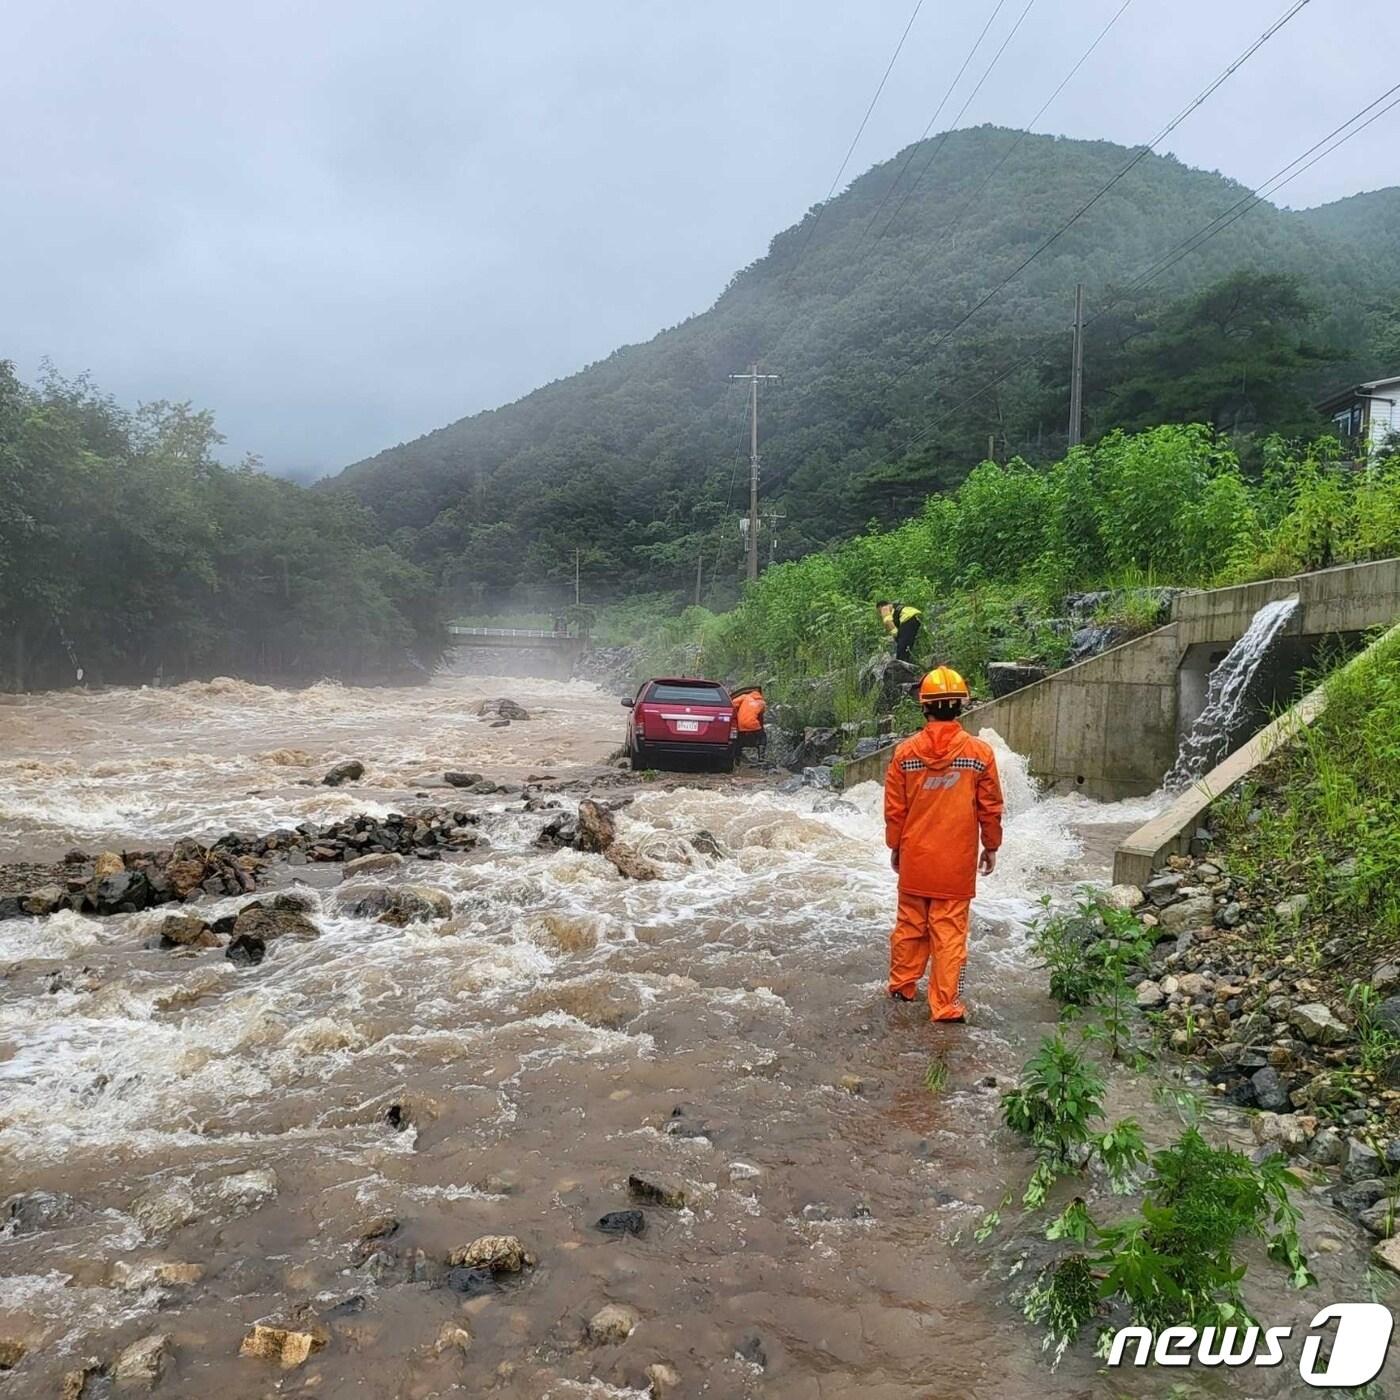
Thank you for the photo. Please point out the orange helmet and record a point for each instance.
(943, 683)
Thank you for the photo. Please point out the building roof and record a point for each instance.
(1357, 391)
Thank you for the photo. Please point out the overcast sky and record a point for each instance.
(342, 223)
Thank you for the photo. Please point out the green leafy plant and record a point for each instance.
(1059, 1098)
(936, 1076)
(1175, 1262)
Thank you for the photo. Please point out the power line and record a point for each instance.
(943, 102)
(1026, 129)
(860, 130)
(943, 136)
(1194, 241)
(1140, 155)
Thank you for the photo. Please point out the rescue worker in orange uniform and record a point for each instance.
(942, 797)
(749, 709)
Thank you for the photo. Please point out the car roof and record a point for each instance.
(684, 680)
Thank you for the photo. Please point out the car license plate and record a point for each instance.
(688, 726)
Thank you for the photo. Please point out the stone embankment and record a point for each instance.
(1257, 989)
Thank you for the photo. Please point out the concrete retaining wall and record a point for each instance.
(1108, 726)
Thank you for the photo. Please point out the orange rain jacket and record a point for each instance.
(941, 793)
(750, 709)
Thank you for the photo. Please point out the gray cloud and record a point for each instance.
(342, 224)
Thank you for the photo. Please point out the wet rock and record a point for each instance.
(12, 1352)
(818, 776)
(1194, 913)
(1281, 1131)
(1317, 1025)
(706, 843)
(752, 1350)
(162, 1209)
(1362, 1163)
(452, 1336)
(246, 950)
(1387, 1254)
(471, 1283)
(613, 1323)
(660, 1190)
(259, 920)
(664, 1377)
(623, 1222)
(44, 900)
(32, 1211)
(394, 903)
(630, 863)
(1270, 1091)
(107, 863)
(187, 931)
(1353, 1197)
(149, 1273)
(501, 1254)
(143, 1363)
(455, 778)
(1327, 1149)
(1386, 978)
(851, 1083)
(597, 829)
(559, 833)
(1379, 1219)
(75, 1384)
(126, 892)
(287, 1346)
(504, 708)
(376, 863)
(814, 748)
(1290, 910)
(348, 772)
(10, 907)
(1150, 994)
(248, 1190)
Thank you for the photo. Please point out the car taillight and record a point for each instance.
(733, 732)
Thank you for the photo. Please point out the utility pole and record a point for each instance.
(752, 379)
(771, 519)
(1076, 373)
(699, 572)
(577, 554)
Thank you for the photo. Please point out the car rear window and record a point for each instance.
(688, 694)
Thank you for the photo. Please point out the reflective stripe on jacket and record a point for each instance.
(942, 794)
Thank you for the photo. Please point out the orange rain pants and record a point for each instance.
(933, 929)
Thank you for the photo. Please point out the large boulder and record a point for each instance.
(393, 903)
(1007, 677)
(348, 772)
(596, 828)
(258, 920)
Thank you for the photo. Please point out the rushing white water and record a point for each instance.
(1217, 726)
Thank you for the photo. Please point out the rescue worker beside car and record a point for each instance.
(749, 710)
(942, 800)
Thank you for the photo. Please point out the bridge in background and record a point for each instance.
(555, 652)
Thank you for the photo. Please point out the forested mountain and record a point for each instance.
(632, 460)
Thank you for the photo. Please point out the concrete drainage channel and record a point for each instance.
(1171, 832)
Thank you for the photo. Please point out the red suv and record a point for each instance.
(681, 718)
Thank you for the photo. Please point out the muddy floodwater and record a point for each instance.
(196, 1146)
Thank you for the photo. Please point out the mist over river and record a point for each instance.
(189, 1146)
